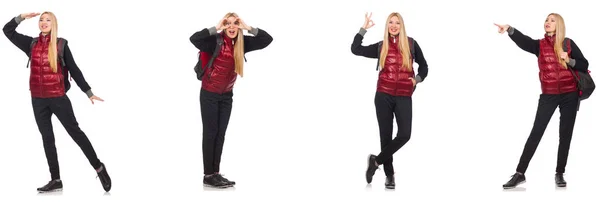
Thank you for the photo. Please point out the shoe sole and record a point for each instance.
(561, 185)
(369, 178)
(390, 187)
(515, 185)
(54, 190)
(218, 187)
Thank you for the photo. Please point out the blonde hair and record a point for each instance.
(52, 48)
(560, 34)
(403, 45)
(238, 48)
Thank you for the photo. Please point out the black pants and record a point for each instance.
(43, 108)
(215, 110)
(386, 106)
(568, 103)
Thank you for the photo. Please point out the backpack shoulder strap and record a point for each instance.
(411, 44)
(567, 45)
(61, 43)
(216, 51)
(33, 41)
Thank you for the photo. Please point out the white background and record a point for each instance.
(303, 120)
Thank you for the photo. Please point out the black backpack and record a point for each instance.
(60, 45)
(411, 44)
(203, 62)
(585, 83)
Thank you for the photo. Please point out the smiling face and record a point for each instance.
(234, 27)
(394, 26)
(45, 24)
(550, 24)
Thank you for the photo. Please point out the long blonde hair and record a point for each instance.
(403, 45)
(52, 48)
(238, 48)
(560, 34)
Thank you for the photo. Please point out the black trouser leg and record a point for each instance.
(63, 110)
(209, 109)
(225, 105)
(384, 107)
(546, 106)
(43, 118)
(568, 114)
(401, 106)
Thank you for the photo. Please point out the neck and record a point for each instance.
(550, 33)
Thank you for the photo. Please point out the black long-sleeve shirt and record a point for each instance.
(371, 51)
(205, 40)
(576, 61)
(23, 42)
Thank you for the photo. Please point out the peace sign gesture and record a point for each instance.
(368, 22)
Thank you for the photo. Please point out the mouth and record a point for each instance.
(231, 32)
(547, 26)
(44, 27)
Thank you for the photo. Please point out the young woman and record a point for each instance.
(48, 83)
(395, 87)
(216, 94)
(559, 89)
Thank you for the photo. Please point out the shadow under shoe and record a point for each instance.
(559, 179)
(390, 182)
(214, 181)
(53, 185)
(104, 178)
(225, 180)
(515, 180)
(371, 168)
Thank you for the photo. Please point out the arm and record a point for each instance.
(577, 61)
(23, 42)
(260, 40)
(523, 41)
(205, 39)
(358, 49)
(420, 59)
(76, 72)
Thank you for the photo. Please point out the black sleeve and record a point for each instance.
(524, 42)
(75, 71)
(23, 42)
(577, 60)
(358, 49)
(420, 60)
(205, 39)
(260, 40)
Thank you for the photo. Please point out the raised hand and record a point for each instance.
(96, 98)
(368, 22)
(502, 28)
(222, 24)
(243, 25)
(29, 15)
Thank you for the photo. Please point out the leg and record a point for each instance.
(384, 107)
(546, 106)
(568, 114)
(43, 118)
(210, 113)
(64, 112)
(403, 113)
(225, 105)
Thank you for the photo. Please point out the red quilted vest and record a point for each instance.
(43, 83)
(393, 79)
(554, 78)
(222, 74)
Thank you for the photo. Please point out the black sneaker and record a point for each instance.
(515, 180)
(54, 185)
(225, 180)
(390, 182)
(560, 180)
(104, 178)
(371, 168)
(214, 182)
